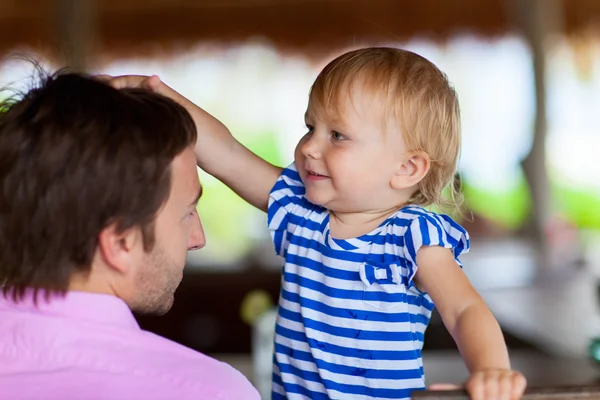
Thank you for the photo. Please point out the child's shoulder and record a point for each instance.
(289, 183)
(290, 176)
(416, 220)
(420, 226)
(289, 194)
(412, 212)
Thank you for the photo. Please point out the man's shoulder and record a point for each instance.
(191, 373)
(124, 359)
(186, 369)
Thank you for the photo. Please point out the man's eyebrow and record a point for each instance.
(197, 198)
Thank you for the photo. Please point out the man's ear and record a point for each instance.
(411, 171)
(118, 248)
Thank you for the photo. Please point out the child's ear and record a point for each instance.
(411, 171)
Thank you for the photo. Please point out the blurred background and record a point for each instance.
(528, 77)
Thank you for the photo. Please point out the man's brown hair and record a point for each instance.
(77, 156)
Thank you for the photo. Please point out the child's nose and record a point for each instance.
(311, 147)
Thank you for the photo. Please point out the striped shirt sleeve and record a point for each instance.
(286, 195)
(430, 229)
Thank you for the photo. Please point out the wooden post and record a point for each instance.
(538, 20)
(76, 29)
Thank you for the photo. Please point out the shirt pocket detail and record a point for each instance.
(383, 287)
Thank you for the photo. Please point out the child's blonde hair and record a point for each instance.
(420, 98)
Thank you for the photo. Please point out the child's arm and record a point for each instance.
(471, 324)
(217, 151)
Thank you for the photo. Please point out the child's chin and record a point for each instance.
(315, 198)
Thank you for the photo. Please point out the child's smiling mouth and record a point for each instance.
(314, 175)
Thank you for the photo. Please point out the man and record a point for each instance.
(98, 189)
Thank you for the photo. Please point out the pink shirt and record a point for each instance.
(89, 346)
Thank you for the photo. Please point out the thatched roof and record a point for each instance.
(122, 27)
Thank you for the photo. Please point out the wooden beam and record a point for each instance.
(128, 28)
(545, 393)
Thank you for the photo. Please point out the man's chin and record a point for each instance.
(155, 310)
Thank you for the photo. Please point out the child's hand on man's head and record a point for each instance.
(132, 81)
(496, 384)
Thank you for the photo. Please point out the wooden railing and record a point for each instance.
(591, 392)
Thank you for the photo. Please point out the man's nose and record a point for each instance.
(197, 240)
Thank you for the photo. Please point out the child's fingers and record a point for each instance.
(131, 81)
(103, 78)
(519, 383)
(496, 385)
(128, 81)
(505, 386)
(152, 82)
(476, 387)
(493, 389)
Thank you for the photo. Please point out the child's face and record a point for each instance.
(347, 164)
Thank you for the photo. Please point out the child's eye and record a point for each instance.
(336, 136)
(310, 129)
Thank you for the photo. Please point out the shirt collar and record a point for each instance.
(93, 307)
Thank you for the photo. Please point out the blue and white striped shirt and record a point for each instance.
(350, 320)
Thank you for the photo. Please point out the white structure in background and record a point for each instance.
(253, 89)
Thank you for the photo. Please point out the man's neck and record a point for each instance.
(90, 283)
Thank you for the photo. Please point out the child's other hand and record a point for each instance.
(496, 384)
(132, 81)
